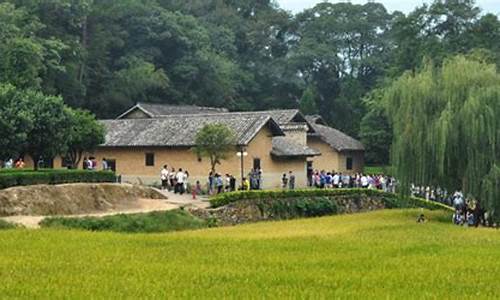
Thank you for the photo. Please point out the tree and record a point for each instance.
(342, 49)
(15, 122)
(375, 131)
(446, 128)
(307, 103)
(86, 133)
(51, 126)
(214, 141)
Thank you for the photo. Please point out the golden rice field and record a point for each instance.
(384, 254)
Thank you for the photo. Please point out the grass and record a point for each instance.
(384, 254)
(167, 221)
(377, 170)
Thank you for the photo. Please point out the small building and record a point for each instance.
(147, 136)
(138, 148)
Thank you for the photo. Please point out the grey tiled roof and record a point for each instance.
(284, 147)
(158, 110)
(337, 139)
(181, 130)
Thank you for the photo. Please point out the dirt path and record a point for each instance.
(174, 201)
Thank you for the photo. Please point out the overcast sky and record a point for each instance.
(402, 5)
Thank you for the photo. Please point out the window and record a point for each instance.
(349, 163)
(256, 163)
(150, 159)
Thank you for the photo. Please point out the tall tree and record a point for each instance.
(446, 128)
(15, 122)
(51, 126)
(342, 49)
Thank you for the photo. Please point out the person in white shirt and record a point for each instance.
(164, 177)
(336, 180)
(180, 178)
(364, 182)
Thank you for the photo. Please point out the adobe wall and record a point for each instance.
(130, 163)
(331, 160)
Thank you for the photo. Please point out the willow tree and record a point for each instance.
(447, 128)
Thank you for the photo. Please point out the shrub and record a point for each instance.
(6, 225)
(299, 207)
(175, 220)
(390, 200)
(29, 177)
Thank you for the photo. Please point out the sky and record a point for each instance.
(401, 5)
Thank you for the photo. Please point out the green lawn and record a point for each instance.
(377, 170)
(384, 254)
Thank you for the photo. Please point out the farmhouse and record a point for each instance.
(147, 136)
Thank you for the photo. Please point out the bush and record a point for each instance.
(29, 177)
(174, 220)
(298, 207)
(390, 200)
(6, 225)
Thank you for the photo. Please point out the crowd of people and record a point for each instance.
(324, 179)
(176, 181)
(468, 211)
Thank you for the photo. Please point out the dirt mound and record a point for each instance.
(70, 199)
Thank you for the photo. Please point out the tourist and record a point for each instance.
(227, 187)
(164, 177)
(20, 164)
(105, 165)
(291, 180)
(245, 184)
(196, 190)
(85, 163)
(364, 181)
(328, 180)
(219, 183)
(470, 219)
(211, 181)
(186, 180)
(232, 183)
(336, 181)
(346, 181)
(9, 163)
(284, 181)
(171, 178)
(179, 182)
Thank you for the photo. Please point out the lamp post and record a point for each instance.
(241, 154)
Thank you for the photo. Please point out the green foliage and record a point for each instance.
(85, 135)
(15, 122)
(302, 207)
(43, 126)
(214, 141)
(51, 126)
(138, 223)
(381, 169)
(307, 104)
(28, 177)
(450, 115)
(4, 225)
(375, 131)
(319, 196)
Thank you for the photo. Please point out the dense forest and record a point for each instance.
(332, 59)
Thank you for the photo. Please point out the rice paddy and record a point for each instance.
(383, 254)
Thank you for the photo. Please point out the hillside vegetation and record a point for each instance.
(384, 254)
